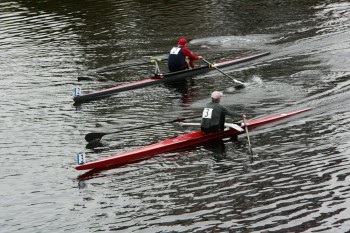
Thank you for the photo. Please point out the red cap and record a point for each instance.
(182, 41)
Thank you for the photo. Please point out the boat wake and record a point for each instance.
(250, 41)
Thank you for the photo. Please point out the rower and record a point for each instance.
(213, 117)
(181, 58)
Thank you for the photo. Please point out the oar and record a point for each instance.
(239, 84)
(121, 67)
(84, 78)
(152, 60)
(161, 58)
(230, 125)
(97, 136)
(246, 131)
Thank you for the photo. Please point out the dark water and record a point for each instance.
(299, 181)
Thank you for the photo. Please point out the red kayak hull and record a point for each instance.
(179, 142)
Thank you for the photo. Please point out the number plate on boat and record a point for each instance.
(77, 91)
(81, 158)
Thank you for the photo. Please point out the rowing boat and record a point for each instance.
(162, 78)
(180, 142)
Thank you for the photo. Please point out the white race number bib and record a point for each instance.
(207, 112)
(175, 50)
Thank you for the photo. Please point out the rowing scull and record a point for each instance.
(162, 78)
(180, 142)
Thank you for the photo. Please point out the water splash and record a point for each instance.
(257, 79)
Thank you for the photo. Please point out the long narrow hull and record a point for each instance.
(168, 77)
(179, 142)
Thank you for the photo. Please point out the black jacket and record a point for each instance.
(176, 60)
(213, 117)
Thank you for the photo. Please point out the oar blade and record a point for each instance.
(84, 78)
(94, 136)
(240, 86)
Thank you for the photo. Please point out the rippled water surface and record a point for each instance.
(298, 180)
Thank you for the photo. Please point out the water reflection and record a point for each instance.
(184, 88)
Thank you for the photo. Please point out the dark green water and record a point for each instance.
(299, 180)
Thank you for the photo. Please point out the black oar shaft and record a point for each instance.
(94, 136)
(132, 64)
(121, 66)
(212, 65)
(155, 124)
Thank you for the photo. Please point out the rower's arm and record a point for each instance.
(231, 113)
(188, 53)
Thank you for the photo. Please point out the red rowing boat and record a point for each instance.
(179, 142)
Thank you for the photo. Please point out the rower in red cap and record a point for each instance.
(181, 58)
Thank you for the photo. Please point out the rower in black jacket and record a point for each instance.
(213, 117)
